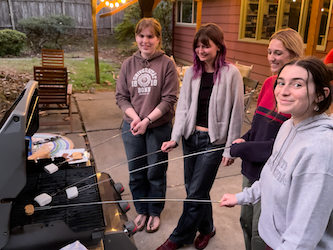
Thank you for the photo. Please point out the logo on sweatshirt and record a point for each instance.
(144, 79)
(278, 167)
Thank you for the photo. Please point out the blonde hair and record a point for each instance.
(154, 26)
(291, 40)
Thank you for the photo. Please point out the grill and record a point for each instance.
(21, 181)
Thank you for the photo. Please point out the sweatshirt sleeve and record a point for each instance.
(253, 151)
(170, 88)
(122, 93)
(250, 195)
(308, 210)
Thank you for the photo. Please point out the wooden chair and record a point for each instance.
(244, 70)
(54, 91)
(53, 57)
(251, 85)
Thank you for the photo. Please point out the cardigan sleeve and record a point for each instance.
(237, 110)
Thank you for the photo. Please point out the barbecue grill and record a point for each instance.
(22, 180)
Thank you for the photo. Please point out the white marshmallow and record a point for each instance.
(72, 192)
(51, 168)
(43, 199)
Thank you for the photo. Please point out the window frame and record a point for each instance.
(279, 19)
(194, 22)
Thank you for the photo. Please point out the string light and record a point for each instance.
(111, 5)
(102, 1)
(322, 9)
(117, 4)
(107, 3)
(123, 1)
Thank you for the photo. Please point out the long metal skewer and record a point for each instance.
(121, 201)
(154, 164)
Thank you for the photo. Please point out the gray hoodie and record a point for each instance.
(296, 187)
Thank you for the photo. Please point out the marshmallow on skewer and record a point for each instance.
(29, 209)
(72, 192)
(43, 199)
(51, 168)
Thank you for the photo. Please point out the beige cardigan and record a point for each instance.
(226, 108)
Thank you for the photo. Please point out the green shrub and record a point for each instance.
(45, 30)
(125, 30)
(12, 42)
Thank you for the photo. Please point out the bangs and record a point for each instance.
(204, 39)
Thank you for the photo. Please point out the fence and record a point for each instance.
(11, 11)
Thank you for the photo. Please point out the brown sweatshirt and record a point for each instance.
(146, 84)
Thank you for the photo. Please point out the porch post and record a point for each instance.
(314, 27)
(199, 11)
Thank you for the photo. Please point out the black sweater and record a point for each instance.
(260, 138)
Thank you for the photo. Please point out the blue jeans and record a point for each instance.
(200, 172)
(151, 182)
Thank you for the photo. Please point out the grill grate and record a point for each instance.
(78, 219)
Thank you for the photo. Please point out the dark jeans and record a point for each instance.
(249, 221)
(200, 172)
(150, 182)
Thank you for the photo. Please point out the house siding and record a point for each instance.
(226, 14)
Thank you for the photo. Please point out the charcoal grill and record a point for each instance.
(22, 180)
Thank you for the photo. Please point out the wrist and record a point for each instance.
(149, 120)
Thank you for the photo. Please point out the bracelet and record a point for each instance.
(150, 121)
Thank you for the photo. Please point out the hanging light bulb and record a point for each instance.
(111, 5)
(123, 1)
(102, 1)
(322, 9)
(107, 3)
(117, 4)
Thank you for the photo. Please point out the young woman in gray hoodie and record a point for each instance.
(296, 183)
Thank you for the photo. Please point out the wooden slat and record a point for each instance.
(53, 57)
(53, 84)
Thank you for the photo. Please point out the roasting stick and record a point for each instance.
(73, 191)
(155, 164)
(31, 209)
(59, 164)
(99, 144)
(114, 166)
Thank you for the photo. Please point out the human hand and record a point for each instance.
(239, 140)
(227, 161)
(141, 127)
(228, 200)
(168, 146)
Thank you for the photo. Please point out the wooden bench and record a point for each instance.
(54, 91)
(53, 57)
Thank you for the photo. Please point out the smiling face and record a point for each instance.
(278, 55)
(295, 93)
(147, 42)
(207, 53)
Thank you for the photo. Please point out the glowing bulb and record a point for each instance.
(102, 1)
(111, 5)
(322, 9)
(107, 3)
(123, 1)
(117, 4)
(294, 1)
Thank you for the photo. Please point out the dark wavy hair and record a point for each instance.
(321, 75)
(213, 32)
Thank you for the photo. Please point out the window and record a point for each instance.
(261, 18)
(186, 12)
